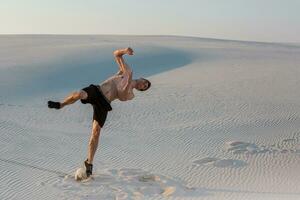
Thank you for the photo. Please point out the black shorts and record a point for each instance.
(100, 104)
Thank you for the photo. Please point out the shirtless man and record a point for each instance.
(120, 86)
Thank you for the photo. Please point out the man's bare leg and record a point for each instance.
(70, 99)
(93, 143)
(73, 97)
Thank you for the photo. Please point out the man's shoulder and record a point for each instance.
(113, 77)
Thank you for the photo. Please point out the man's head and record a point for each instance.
(142, 84)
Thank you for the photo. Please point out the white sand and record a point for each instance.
(221, 121)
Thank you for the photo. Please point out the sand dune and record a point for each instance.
(221, 120)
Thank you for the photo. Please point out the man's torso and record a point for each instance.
(115, 88)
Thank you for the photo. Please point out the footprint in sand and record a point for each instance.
(221, 163)
(288, 140)
(205, 161)
(230, 163)
(126, 183)
(238, 147)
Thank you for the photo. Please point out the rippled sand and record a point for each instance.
(221, 121)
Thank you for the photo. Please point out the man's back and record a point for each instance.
(118, 87)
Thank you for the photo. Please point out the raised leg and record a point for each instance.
(73, 97)
(70, 99)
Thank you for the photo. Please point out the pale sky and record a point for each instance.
(256, 20)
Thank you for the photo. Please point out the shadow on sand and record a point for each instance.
(86, 66)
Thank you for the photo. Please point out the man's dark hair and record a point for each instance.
(149, 84)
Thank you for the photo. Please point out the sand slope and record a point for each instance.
(221, 120)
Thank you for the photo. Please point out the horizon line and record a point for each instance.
(150, 35)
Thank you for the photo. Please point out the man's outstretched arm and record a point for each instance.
(118, 54)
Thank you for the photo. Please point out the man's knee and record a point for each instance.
(96, 129)
(80, 94)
